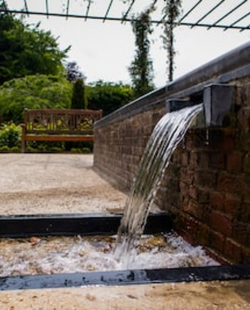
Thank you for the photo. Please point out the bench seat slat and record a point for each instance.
(62, 138)
(59, 132)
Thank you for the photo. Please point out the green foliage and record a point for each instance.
(108, 96)
(79, 99)
(10, 136)
(45, 147)
(57, 147)
(33, 92)
(172, 11)
(15, 149)
(4, 149)
(27, 50)
(84, 150)
(141, 69)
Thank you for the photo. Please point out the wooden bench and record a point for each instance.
(59, 125)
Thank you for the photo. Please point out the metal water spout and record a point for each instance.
(178, 104)
(219, 103)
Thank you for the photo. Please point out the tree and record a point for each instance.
(33, 92)
(27, 50)
(141, 69)
(79, 99)
(172, 11)
(73, 72)
(108, 96)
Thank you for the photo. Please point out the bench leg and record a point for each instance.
(23, 145)
(23, 142)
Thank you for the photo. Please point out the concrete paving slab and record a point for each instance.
(229, 295)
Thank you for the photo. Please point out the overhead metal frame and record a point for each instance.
(209, 12)
(108, 9)
(188, 17)
(228, 13)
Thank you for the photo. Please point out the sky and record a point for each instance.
(105, 50)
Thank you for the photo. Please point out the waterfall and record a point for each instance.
(166, 135)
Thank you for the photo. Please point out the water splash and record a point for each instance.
(167, 134)
(53, 255)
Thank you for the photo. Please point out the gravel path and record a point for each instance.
(51, 183)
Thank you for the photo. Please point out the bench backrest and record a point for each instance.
(60, 121)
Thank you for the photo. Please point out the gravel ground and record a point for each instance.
(51, 183)
(231, 295)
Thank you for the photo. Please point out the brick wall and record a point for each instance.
(207, 184)
(119, 145)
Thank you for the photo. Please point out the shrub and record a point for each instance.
(10, 135)
(15, 149)
(45, 147)
(86, 150)
(56, 149)
(74, 150)
(4, 149)
(33, 92)
(79, 99)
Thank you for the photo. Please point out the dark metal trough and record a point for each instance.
(23, 226)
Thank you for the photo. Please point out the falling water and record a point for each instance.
(167, 134)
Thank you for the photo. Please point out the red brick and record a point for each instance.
(218, 257)
(187, 236)
(236, 185)
(189, 139)
(248, 236)
(187, 175)
(217, 241)
(185, 158)
(203, 196)
(203, 235)
(191, 225)
(176, 157)
(217, 160)
(203, 159)
(244, 215)
(192, 191)
(173, 171)
(233, 251)
(190, 206)
(217, 200)
(222, 139)
(228, 142)
(244, 118)
(246, 255)
(206, 178)
(187, 226)
(232, 206)
(184, 188)
(246, 163)
(234, 162)
(240, 232)
(194, 159)
(220, 222)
